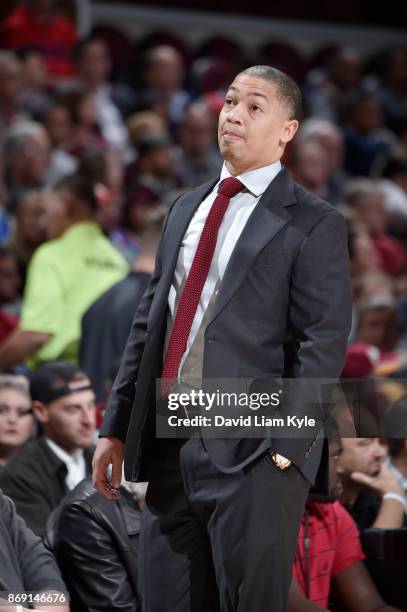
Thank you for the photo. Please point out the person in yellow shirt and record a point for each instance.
(65, 276)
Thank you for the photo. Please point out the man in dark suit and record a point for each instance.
(251, 281)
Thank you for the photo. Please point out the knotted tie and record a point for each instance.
(189, 300)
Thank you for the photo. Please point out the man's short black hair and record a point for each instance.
(288, 92)
(80, 187)
(395, 424)
(51, 380)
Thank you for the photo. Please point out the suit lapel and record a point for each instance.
(269, 217)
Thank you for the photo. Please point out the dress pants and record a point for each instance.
(215, 542)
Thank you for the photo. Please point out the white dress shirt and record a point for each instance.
(237, 214)
(111, 123)
(75, 463)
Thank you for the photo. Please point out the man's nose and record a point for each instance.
(86, 416)
(379, 450)
(235, 114)
(12, 417)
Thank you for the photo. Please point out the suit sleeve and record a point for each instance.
(321, 300)
(118, 411)
(319, 318)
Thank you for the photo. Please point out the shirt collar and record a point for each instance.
(256, 181)
(63, 455)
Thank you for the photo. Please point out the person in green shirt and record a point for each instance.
(65, 276)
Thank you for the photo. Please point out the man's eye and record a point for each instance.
(228, 101)
(256, 108)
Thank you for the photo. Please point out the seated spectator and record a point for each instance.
(393, 87)
(329, 559)
(30, 230)
(58, 123)
(94, 64)
(395, 426)
(11, 81)
(378, 325)
(78, 256)
(197, 157)
(155, 170)
(142, 123)
(369, 486)
(363, 255)
(27, 157)
(40, 474)
(393, 186)
(36, 97)
(330, 137)
(370, 284)
(16, 415)
(37, 25)
(364, 197)
(310, 167)
(86, 131)
(105, 170)
(365, 136)
(163, 76)
(26, 566)
(106, 325)
(96, 544)
(326, 88)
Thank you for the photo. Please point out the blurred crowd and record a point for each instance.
(98, 136)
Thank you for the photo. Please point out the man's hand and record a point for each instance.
(109, 451)
(384, 482)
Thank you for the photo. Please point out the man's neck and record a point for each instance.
(66, 449)
(237, 170)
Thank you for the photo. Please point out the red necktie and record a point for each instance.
(195, 282)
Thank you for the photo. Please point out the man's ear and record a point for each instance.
(289, 130)
(41, 412)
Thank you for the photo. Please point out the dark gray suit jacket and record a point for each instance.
(283, 309)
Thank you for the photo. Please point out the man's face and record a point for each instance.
(11, 81)
(361, 455)
(197, 132)
(95, 64)
(254, 126)
(70, 420)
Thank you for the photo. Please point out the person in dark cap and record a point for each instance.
(39, 476)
